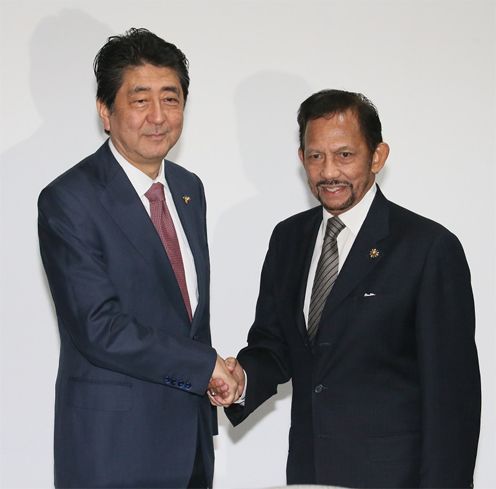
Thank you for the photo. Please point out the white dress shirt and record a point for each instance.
(142, 183)
(353, 220)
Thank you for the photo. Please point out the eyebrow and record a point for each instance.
(310, 149)
(141, 88)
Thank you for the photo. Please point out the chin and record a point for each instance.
(154, 155)
(335, 207)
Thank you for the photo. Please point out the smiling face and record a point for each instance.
(339, 165)
(146, 119)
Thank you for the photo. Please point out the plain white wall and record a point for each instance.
(429, 66)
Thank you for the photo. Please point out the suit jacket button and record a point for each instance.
(187, 385)
(180, 383)
(319, 388)
(167, 380)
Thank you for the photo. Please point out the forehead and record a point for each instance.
(150, 77)
(339, 128)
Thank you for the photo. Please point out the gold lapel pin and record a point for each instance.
(374, 253)
(186, 199)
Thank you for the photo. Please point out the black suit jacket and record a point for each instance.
(130, 405)
(389, 396)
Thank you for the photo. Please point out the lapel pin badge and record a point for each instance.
(374, 253)
(186, 199)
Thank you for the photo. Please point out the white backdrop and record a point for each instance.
(429, 66)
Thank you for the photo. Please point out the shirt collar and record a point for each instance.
(139, 180)
(354, 218)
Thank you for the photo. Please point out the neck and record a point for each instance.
(151, 170)
(150, 167)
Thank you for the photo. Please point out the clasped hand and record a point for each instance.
(227, 382)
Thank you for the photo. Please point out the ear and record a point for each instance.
(301, 155)
(104, 113)
(379, 157)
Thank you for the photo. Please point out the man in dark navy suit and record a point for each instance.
(368, 309)
(124, 245)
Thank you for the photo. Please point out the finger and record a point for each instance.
(224, 395)
(213, 400)
(219, 402)
(220, 394)
(217, 383)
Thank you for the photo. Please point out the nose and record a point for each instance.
(329, 170)
(156, 114)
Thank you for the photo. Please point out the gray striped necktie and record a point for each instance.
(325, 275)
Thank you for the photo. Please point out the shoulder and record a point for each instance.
(296, 230)
(89, 173)
(184, 182)
(80, 185)
(421, 233)
(179, 172)
(405, 221)
(295, 223)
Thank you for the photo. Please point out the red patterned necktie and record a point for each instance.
(162, 221)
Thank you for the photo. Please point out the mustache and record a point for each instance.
(340, 183)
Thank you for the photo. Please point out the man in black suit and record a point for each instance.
(368, 309)
(124, 245)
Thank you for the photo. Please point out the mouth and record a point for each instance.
(333, 188)
(157, 136)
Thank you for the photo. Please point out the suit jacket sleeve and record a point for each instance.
(89, 308)
(265, 359)
(448, 366)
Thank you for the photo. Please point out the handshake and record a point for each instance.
(227, 382)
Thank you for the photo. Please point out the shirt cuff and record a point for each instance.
(242, 397)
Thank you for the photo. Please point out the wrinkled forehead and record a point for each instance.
(150, 77)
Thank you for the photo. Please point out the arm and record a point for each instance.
(449, 371)
(265, 359)
(90, 311)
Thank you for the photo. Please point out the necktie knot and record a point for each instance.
(334, 227)
(155, 193)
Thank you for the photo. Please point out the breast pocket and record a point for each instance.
(370, 306)
(373, 299)
(384, 324)
(99, 395)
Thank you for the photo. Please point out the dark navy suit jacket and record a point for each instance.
(389, 395)
(130, 393)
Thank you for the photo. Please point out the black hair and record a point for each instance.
(135, 48)
(330, 102)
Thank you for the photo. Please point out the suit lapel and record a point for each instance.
(302, 261)
(193, 228)
(364, 255)
(120, 200)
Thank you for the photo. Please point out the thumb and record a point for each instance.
(231, 363)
